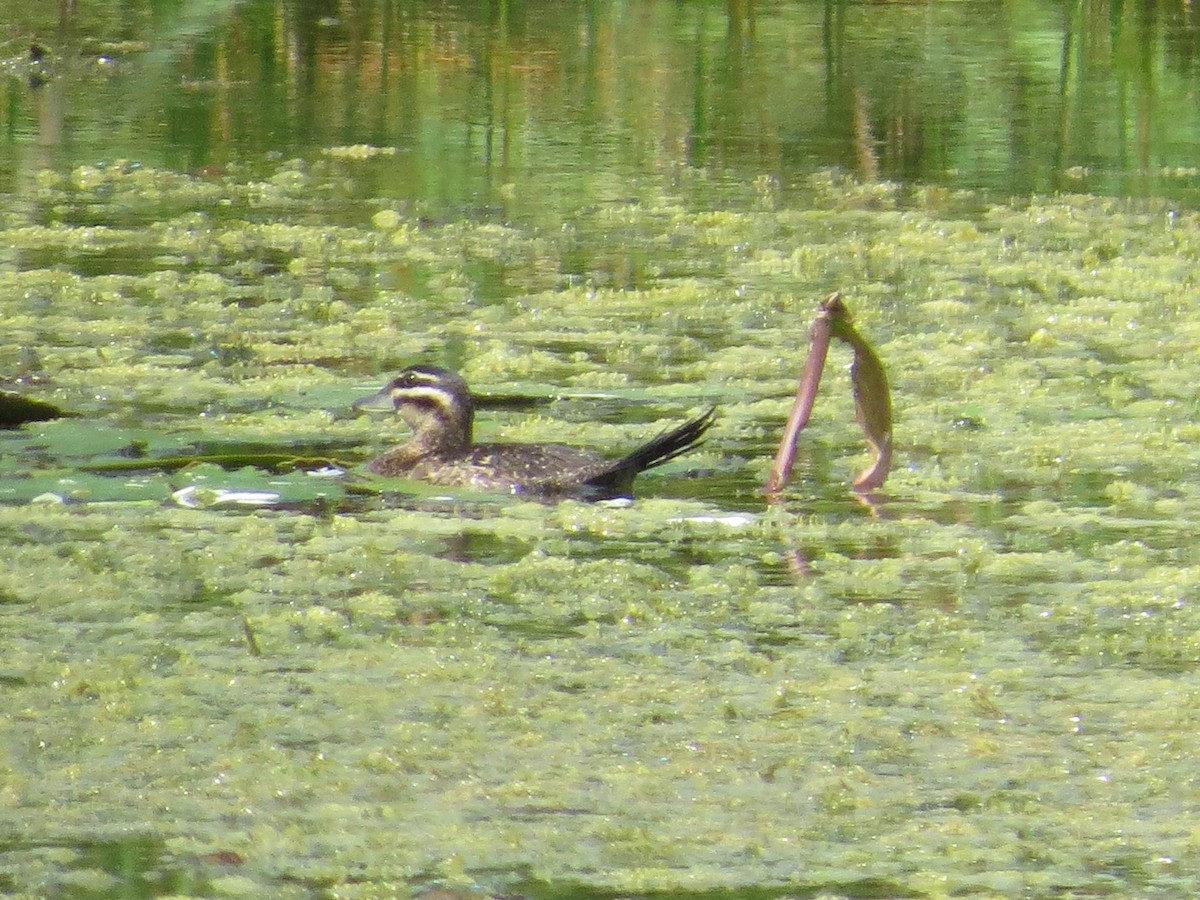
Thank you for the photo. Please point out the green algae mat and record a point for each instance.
(233, 665)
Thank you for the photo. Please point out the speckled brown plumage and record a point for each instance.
(436, 403)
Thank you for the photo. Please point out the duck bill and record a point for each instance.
(381, 402)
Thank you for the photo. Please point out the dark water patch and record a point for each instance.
(540, 629)
(137, 867)
(17, 409)
(850, 889)
(477, 546)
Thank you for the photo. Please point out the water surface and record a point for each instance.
(224, 224)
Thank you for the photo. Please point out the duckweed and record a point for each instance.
(982, 682)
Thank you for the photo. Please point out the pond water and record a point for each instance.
(224, 222)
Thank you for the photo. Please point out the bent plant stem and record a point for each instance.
(872, 405)
(806, 394)
(872, 398)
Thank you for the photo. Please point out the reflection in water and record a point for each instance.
(484, 100)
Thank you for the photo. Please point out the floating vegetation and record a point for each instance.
(358, 151)
(608, 697)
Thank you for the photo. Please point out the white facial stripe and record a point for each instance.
(419, 394)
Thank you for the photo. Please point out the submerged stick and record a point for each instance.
(872, 397)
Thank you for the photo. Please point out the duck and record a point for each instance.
(437, 405)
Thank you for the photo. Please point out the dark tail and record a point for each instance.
(617, 479)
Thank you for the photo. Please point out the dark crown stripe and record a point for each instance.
(426, 377)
